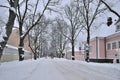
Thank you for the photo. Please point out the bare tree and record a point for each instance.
(33, 41)
(90, 10)
(43, 49)
(35, 36)
(9, 25)
(61, 39)
(53, 42)
(73, 15)
(58, 40)
(21, 18)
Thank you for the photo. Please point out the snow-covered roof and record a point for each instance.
(75, 49)
(16, 48)
(10, 46)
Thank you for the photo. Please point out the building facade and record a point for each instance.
(102, 47)
(78, 54)
(10, 52)
(105, 47)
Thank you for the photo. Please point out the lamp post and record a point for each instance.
(117, 55)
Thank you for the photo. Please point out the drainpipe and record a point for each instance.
(96, 47)
(105, 47)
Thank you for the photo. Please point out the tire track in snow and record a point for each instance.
(71, 74)
(31, 72)
(46, 71)
(84, 72)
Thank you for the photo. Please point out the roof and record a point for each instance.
(115, 34)
(16, 48)
(96, 37)
(117, 21)
(75, 49)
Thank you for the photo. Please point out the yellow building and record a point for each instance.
(10, 52)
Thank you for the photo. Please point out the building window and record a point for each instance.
(119, 44)
(90, 48)
(108, 46)
(114, 46)
(117, 28)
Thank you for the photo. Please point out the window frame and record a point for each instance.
(109, 47)
(117, 28)
(114, 45)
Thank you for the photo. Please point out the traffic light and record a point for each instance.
(109, 21)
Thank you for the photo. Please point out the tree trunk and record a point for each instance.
(20, 49)
(73, 56)
(21, 43)
(35, 56)
(2, 45)
(9, 27)
(35, 53)
(88, 43)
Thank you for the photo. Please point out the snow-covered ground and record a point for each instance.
(58, 69)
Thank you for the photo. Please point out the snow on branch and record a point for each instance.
(4, 6)
(20, 47)
(2, 33)
(22, 36)
(13, 9)
(13, 1)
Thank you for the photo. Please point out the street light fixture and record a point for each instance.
(117, 55)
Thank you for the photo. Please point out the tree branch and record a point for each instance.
(95, 13)
(4, 6)
(37, 19)
(110, 9)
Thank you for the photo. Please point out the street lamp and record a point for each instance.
(117, 55)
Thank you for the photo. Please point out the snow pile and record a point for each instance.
(58, 69)
(16, 48)
(17, 70)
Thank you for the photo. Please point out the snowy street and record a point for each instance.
(59, 39)
(58, 69)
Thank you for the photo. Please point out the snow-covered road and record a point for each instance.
(58, 69)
